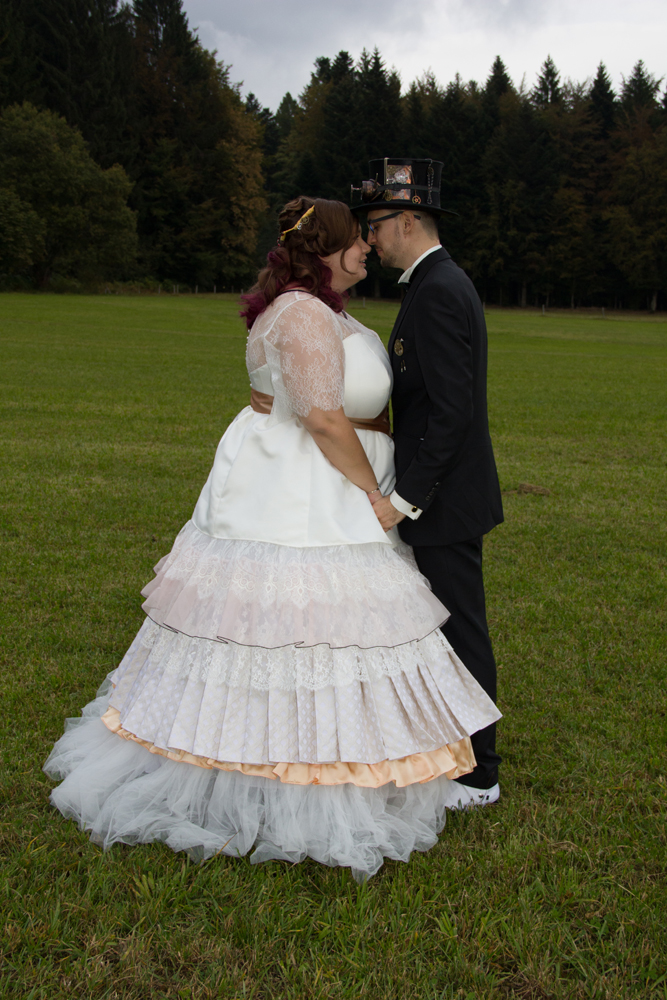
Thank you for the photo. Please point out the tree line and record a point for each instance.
(157, 113)
(560, 188)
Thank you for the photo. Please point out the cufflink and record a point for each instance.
(415, 509)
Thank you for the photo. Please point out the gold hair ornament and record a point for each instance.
(298, 225)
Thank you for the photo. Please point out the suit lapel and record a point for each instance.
(417, 277)
(399, 318)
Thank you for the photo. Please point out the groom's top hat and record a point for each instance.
(401, 184)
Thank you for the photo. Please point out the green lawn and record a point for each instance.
(111, 410)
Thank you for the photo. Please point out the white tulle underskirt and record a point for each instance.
(121, 792)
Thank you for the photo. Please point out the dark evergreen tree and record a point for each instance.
(498, 82)
(638, 218)
(74, 57)
(603, 102)
(414, 138)
(275, 131)
(198, 186)
(521, 171)
(497, 85)
(640, 90)
(455, 134)
(379, 103)
(548, 88)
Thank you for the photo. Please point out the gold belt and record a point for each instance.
(261, 402)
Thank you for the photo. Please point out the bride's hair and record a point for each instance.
(295, 261)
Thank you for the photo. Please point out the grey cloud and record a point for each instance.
(272, 44)
(292, 23)
(501, 15)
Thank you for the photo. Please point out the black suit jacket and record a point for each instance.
(444, 456)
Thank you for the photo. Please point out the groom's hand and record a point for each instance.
(386, 513)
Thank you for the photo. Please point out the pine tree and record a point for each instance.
(640, 90)
(498, 82)
(521, 176)
(548, 89)
(497, 85)
(415, 138)
(379, 106)
(638, 218)
(455, 135)
(72, 56)
(198, 185)
(603, 102)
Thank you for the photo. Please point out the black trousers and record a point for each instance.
(455, 574)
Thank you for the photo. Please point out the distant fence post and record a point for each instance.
(544, 312)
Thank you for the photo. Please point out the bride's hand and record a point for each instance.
(386, 513)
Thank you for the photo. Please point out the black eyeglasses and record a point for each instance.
(383, 218)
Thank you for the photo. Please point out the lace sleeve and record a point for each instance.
(312, 359)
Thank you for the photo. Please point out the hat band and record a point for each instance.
(374, 191)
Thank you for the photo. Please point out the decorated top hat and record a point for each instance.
(401, 184)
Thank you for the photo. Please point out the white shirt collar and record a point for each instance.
(405, 277)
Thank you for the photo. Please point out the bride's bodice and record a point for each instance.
(270, 481)
(305, 355)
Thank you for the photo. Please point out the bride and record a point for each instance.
(290, 689)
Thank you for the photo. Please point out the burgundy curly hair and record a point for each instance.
(296, 263)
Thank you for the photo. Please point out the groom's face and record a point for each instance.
(385, 236)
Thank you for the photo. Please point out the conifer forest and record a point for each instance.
(127, 153)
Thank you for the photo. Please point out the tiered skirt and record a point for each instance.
(301, 702)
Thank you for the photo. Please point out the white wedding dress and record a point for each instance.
(290, 689)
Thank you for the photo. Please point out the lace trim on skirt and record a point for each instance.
(262, 594)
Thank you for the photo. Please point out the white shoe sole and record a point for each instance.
(469, 797)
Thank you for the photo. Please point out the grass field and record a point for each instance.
(111, 410)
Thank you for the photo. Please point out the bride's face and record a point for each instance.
(354, 261)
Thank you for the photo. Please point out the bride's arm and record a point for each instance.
(336, 437)
(312, 362)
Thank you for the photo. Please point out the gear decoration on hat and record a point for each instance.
(404, 183)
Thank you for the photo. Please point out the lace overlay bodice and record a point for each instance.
(300, 341)
(270, 481)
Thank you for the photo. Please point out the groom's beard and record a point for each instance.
(388, 260)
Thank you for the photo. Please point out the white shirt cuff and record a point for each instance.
(404, 507)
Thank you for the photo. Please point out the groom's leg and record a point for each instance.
(455, 574)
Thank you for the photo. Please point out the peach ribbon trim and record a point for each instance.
(453, 760)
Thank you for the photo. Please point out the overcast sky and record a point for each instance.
(271, 44)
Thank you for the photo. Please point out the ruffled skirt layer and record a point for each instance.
(264, 594)
(300, 700)
(238, 705)
(120, 792)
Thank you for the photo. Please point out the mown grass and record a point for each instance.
(111, 411)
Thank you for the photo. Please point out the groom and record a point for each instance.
(447, 494)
